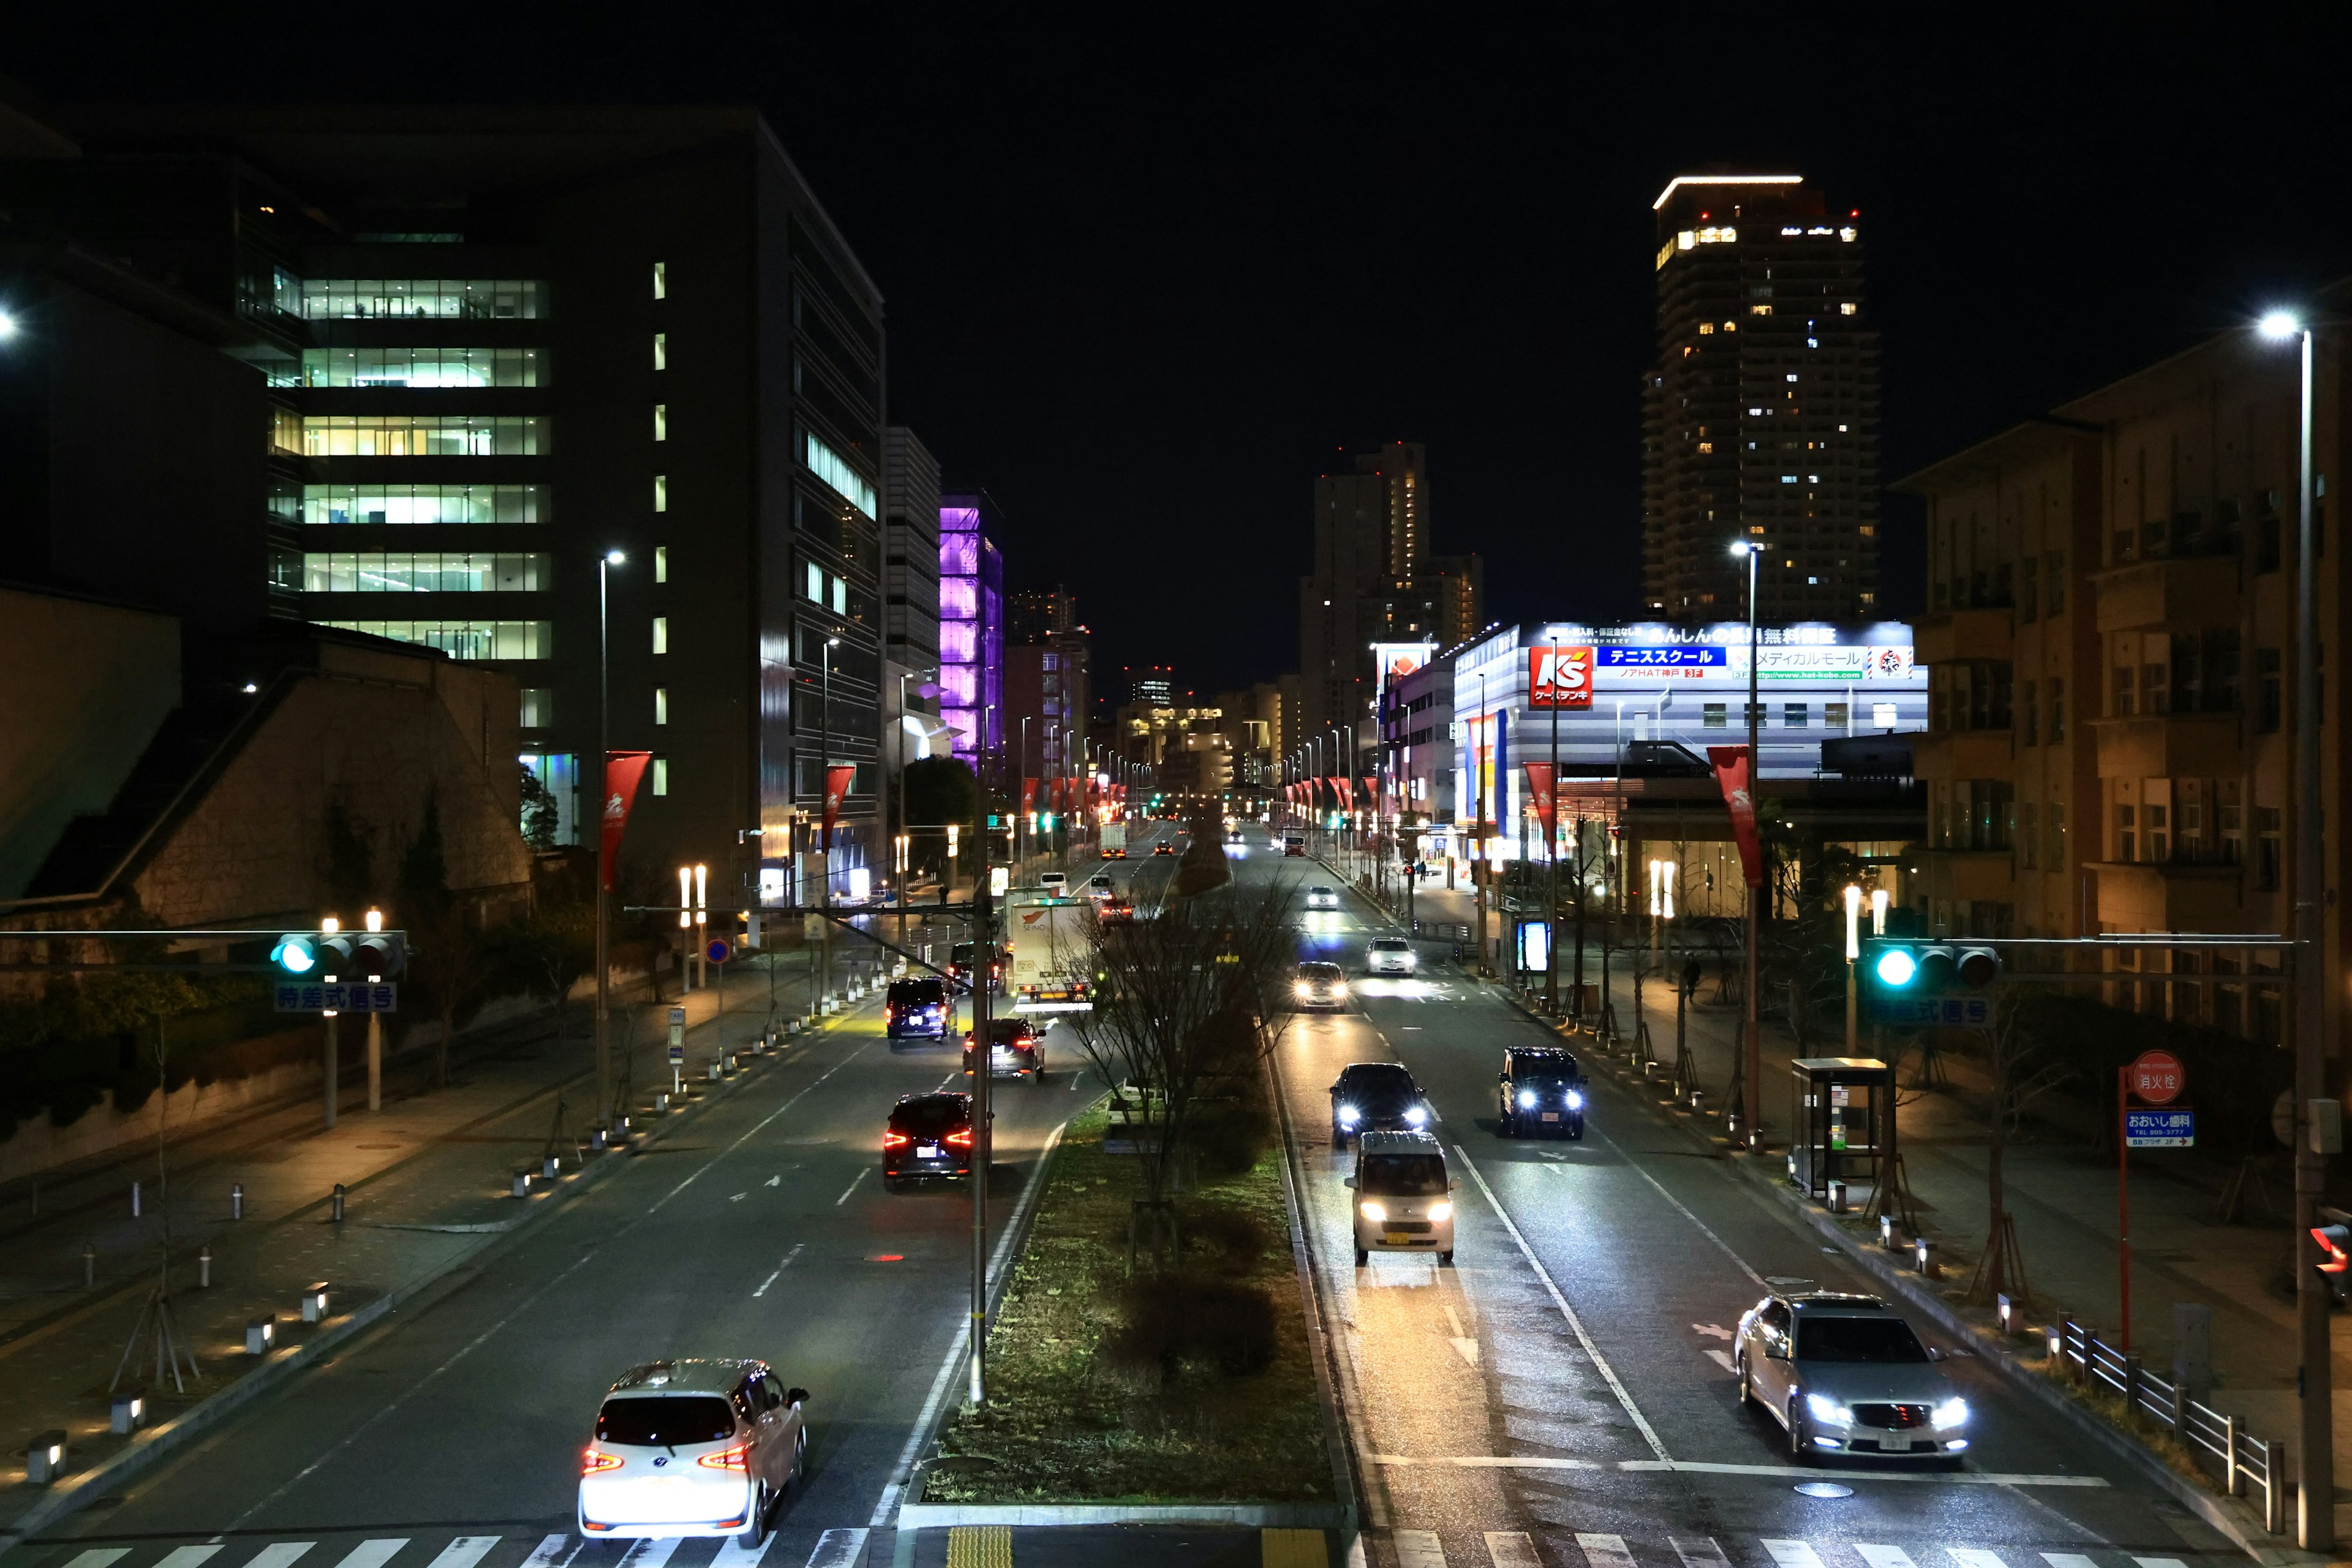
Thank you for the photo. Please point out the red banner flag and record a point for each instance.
(1731, 775)
(1347, 793)
(1540, 783)
(622, 772)
(1028, 795)
(836, 784)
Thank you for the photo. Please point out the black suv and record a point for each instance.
(928, 1135)
(917, 1009)
(1376, 1097)
(1540, 1091)
(959, 965)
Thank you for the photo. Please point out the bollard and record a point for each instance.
(2053, 1343)
(260, 1335)
(44, 1457)
(2231, 1434)
(1699, 1102)
(1886, 1231)
(521, 1183)
(339, 1203)
(792, 1025)
(1923, 1257)
(2005, 1310)
(134, 1200)
(90, 1265)
(661, 1102)
(550, 1165)
(1837, 1197)
(237, 1201)
(205, 1267)
(314, 1302)
(601, 1140)
(714, 1071)
(129, 1414)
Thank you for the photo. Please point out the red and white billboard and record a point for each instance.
(1559, 677)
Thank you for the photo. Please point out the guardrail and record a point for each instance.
(2246, 1461)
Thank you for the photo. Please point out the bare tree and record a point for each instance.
(2022, 1065)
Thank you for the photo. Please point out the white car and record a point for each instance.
(1389, 955)
(691, 1448)
(1404, 1198)
(1322, 897)
(1101, 889)
(1055, 882)
(1845, 1375)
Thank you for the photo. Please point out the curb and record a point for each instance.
(1337, 1437)
(2231, 1516)
(159, 1442)
(1245, 1515)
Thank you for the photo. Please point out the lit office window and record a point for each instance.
(661, 350)
(815, 581)
(425, 572)
(661, 634)
(661, 563)
(661, 492)
(423, 435)
(478, 299)
(844, 481)
(661, 775)
(464, 639)
(382, 503)
(661, 704)
(841, 595)
(661, 280)
(538, 707)
(423, 367)
(661, 421)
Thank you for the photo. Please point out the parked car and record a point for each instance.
(1319, 985)
(1844, 1375)
(1539, 1089)
(916, 1008)
(1389, 955)
(1376, 1097)
(691, 1448)
(927, 1135)
(1016, 1050)
(1404, 1200)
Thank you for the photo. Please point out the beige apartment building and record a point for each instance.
(2110, 635)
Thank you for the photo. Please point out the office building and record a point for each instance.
(2110, 639)
(1151, 685)
(1036, 614)
(475, 350)
(912, 729)
(1759, 416)
(1048, 687)
(971, 628)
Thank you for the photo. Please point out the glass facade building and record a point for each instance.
(972, 629)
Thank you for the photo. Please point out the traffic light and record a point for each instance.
(2335, 1250)
(378, 955)
(347, 955)
(1912, 981)
(296, 954)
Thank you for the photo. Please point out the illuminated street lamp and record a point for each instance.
(604, 565)
(1751, 1062)
(1853, 956)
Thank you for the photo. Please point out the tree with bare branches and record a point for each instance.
(2022, 1065)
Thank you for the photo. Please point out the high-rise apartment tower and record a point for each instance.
(1759, 419)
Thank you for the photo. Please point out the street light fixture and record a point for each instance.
(1751, 1062)
(604, 565)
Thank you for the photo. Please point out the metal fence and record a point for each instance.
(2246, 1461)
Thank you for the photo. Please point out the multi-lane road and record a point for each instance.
(1561, 1398)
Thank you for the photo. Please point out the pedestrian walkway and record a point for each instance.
(1581, 1549)
(432, 1177)
(832, 1549)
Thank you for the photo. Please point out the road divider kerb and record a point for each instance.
(1330, 1367)
(158, 1442)
(1253, 1515)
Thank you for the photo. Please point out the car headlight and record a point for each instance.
(1349, 1116)
(1302, 990)
(1440, 1212)
(1527, 1099)
(1953, 1412)
(1339, 988)
(1828, 1411)
(1575, 1100)
(1414, 1116)
(1373, 1212)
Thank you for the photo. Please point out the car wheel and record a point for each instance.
(1339, 1139)
(1800, 1441)
(1508, 1125)
(1362, 1258)
(1445, 1258)
(755, 1527)
(892, 1185)
(800, 1455)
(1746, 1386)
(1576, 1130)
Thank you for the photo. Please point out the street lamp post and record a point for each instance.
(604, 563)
(825, 834)
(1853, 956)
(2316, 1476)
(1751, 1046)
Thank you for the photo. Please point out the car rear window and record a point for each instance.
(1401, 1175)
(651, 1419)
(1004, 1030)
(916, 994)
(1858, 1339)
(929, 1118)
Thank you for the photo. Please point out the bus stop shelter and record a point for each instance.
(1840, 1120)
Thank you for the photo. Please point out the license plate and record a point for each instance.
(1895, 1444)
(1397, 1238)
(927, 1151)
(1551, 1116)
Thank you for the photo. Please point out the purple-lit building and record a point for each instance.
(971, 627)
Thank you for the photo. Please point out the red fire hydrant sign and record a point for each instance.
(2156, 1078)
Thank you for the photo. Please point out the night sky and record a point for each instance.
(1150, 269)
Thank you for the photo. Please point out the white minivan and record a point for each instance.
(1404, 1198)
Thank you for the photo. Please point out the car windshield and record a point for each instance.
(1389, 945)
(1858, 1339)
(1382, 1089)
(1401, 1175)
(1318, 972)
(916, 994)
(1319, 892)
(929, 1118)
(1537, 1069)
(654, 1420)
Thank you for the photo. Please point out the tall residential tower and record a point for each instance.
(1759, 419)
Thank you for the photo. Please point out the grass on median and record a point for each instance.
(1087, 1404)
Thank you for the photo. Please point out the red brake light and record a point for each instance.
(593, 1463)
(734, 1458)
(2338, 1261)
(896, 1140)
(960, 1140)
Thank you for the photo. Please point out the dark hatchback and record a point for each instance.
(959, 962)
(1376, 1097)
(916, 1010)
(928, 1135)
(1538, 1091)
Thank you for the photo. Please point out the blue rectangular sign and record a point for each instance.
(1665, 657)
(348, 996)
(2172, 1128)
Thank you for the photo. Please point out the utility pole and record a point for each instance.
(983, 967)
(1551, 856)
(1480, 867)
(1751, 1052)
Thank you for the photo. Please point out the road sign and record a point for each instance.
(719, 951)
(677, 1055)
(354, 996)
(677, 1033)
(1934, 1012)
(2175, 1128)
(2156, 1078)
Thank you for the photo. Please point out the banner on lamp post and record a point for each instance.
(623, 770)
(1732, 776)
(836, 785)
(1028, 795)
(1539, 789)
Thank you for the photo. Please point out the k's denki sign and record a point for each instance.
(1559, 677)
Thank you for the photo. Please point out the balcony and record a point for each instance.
(2175, 896)
(2196, 594)
(2170, 745)
(1964, 634)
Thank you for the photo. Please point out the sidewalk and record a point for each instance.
(428, 1181)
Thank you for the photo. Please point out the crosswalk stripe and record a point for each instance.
(1419, 1549)
(730, 1556)
(650, 1553)
(838, 1548)
(1891, 1557)
(277, 1554)
(1970, 1557)
(1511, 1549)
(1700, 1554)
(373, 1553)
(2160, 1563)
(464, 1551)
(2067, 1560)
(550, 1552)
(99, 1556)
(1792, 1553)
(1604, 1550)
(187, 1556)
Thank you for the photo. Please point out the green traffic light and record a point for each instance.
(1897, 967)
(294, 954)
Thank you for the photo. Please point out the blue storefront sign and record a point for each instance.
(1665, 657)
(2174, 1126)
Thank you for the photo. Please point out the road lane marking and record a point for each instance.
(1792, 1553)
(1679, 1207)
(186, 1556)
(1419, 1549)
(2152, 1562)
(1701, 1553)
(1888, 1556)
(1713, 1330)
(1511, 1549)
(849, 1189)
(2067, 1560)
(280, 1554)
(464, 1551)
(1721, 1358)
(739, 1197)
(551, 1552)
(837, 1549)
(650, 1553)
(771, 1279)
(1574, 1323)
(776, 1181)
(756, 1129)
(99, 1556)
(730, 1556)
(1972, 1557)
(374, 1554)
(1604, 1550)
(1705, 1468)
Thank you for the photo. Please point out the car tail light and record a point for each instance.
(593, 1463)
(735, 1458)
(896, 1140)
(960, 1140)
(886, 1014)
